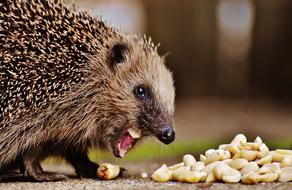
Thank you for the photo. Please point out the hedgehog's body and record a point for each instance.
(69, 82)
(43, 52)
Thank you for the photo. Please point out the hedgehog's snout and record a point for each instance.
(166, 135)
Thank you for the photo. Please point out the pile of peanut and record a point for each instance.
(239, 161)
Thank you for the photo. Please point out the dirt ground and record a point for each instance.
(132, 183)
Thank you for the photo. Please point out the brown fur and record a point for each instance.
(92, 106)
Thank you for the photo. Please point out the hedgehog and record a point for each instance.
(70, 82)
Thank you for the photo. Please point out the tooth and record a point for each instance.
(122, 153)
(134, 132)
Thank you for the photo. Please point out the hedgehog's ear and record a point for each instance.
(117, 55)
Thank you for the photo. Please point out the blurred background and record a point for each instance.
(231, 61)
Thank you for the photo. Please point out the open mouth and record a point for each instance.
(127, 141)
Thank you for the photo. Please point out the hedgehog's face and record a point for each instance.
(144, 97)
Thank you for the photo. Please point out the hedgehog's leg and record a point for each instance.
(82, 165)
(34, 170)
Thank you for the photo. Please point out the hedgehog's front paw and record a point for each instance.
(34, 170)
(88, 170)
(48, 176)
(84, 168)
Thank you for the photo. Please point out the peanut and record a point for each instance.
(265, 160)
(198, 166)
(204, 176)
(267, 178)
(233, 178)
(263, 151)
(203, 158)
(210, 178)
(238, 139)
(189, 160)
(249, 167)
(176, 166)
(258, 140)
(249, 146)
(264, 170)
(232, 148)
(286, 174)
(216, 155)
(223, 146)
(210, 167)
(144, 175)
(227, 174)
(273, 167)
(162, 174)
(249, 155)
(227, 161)
(238, 163)
(284, 151)
(212, 157)
(193, 176)
(179, 174)
(250, 178)
(276, 157)
(209, 152)
(287, 161)
(108, 171)
(226, 155)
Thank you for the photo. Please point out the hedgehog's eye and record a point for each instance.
(141, 92)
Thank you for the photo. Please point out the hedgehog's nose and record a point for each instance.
(167, 135)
